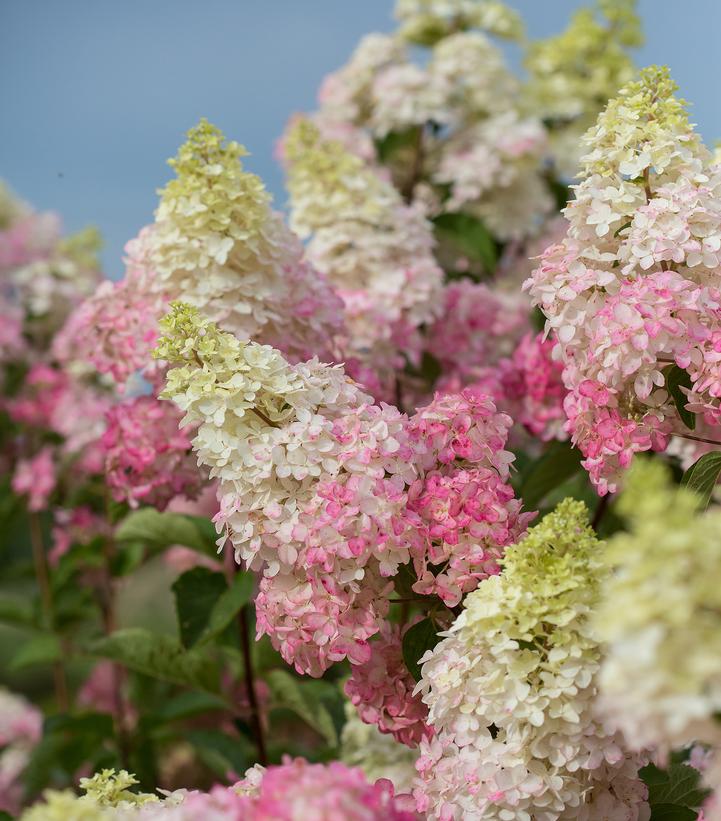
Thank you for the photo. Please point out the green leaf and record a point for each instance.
(68, 742)
(16, 610)
(670, 812)
(220, 752)
(677, 787)
(159, 656)
(229, 604)
(469, 236)
(396, 140)
(418, 639)
(304, 700)
(186, 705)
(41, 649)
(196, 594)
(560, 461)
(161, 530)
(703, 475)
(677, 378)
(5, 816)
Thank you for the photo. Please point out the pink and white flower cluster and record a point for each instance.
(292, 791)
(148, 459)
(20, 730)
(632, 289)
(328, 494)
(381, 689)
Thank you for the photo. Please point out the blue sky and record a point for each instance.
(96, 94)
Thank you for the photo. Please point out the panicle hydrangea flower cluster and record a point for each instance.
(315, 481)
(115, 329)
(511, 691)
(630, 290)
(148, 459)
(217, 244)
(478, 327)
(422, 22)
(20, 731)
(376, 250)
(297, 790)
(293, 791)
(36, 478)
(529, 387)
(461, 510)
(42, 274)
(470, 146)
(378, 754)
(311, 485)
(74, 525)
(598, 39)
(661, 616)
(382, 690)
(49, 399)
(482, 339)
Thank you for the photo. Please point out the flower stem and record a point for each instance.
(46, 597)
(256, 720)
(107, 607)
(698, 439)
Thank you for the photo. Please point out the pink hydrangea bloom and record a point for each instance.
(463, 510)
(382, 690)
(299, 791)
(478, 327)
(116, 328)
(78, 524)
(29, 238)
(531, 388)
(50, 399)
(36, 478)
(147, 457)
(20, 730)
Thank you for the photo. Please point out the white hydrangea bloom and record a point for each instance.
(511, 692)
(661, 616)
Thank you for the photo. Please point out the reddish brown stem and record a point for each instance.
(698, 439)
(256, 720)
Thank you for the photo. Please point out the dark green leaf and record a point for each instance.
(159, 656)
(41, 649)
(221, 752)
(229, 604)
(679, 786)
(677, 378)
(304, 700)
(161, 530)
(469, 236)
(196, 594)
(671, 812)
(394, 141)
(68, 742)
(404, 580)
(555, 466)
(703, 475)
(430, 368)
(16, 610)
(188, 704)
(418, 639)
